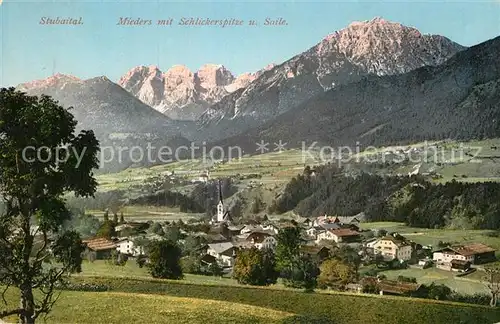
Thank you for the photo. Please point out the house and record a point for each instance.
(251, 228)
(261, 240)
(307, 222)
(391, 248)
(126, 246)
(314, 231)
(476, 253)
(235, 229)
(224, 252)
(341, 235)
(99, 248)
(392, 287)
(270, 228)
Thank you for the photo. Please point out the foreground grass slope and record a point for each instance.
(118, 307)
(341, 308)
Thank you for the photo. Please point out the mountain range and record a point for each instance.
(180, 93)
(458, 99)
(374, 81)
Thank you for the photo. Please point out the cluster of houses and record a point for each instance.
(319, 235)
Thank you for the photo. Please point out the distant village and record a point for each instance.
(320, 235)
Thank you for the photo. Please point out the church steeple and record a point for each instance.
(220, 192)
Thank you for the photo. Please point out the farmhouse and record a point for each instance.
(224, 252)
(127, 246)
(100, 248)
(392, 248)
(261, 240)
(340, 235)
(476, 253)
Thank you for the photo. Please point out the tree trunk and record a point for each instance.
(27, 303)
(493, 300)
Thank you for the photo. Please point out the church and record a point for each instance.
(222, 215)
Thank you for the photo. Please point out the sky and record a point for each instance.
(32, 51)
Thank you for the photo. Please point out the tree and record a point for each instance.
(106, 215)
(173, 233)
(164, 260)
(157, 229)
(41, 158)
(335, 273)
(493, 284)
(107, 230)
(349, 256)
(115, 218)
(255, 267)
(122, 219)
(302, 274)
(215, 269)
(287, 247)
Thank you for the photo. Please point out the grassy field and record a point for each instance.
(153, 213)
(427, 236)
(120, 307)
(341, 307)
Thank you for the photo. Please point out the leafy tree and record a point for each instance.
(257, 205)
(36, 260)
(302, 274)
(349, 256)
(106, 215)
(255, 267)
(107, 230)
(190, 264)
(215, 269)
(85, 224)
(439, 292)
(173, 233)
(287, 247)
(164, 257)
(335, 273)
(157, 229)
(192, 244)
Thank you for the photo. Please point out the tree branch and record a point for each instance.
(18, 311)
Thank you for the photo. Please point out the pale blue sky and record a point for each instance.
(100, 47)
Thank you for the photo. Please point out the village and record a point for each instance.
(219, 241)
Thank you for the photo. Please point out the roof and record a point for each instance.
(472, 249)
(207, 258)
(329, 226)
(399, 243)
(346, 219)
(344, 232)
(100, 244)
(393, 286)
(221, 247)
(236, 227)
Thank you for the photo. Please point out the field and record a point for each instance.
(431, 237)
(153, 213)
(341, 307)
(120, 307)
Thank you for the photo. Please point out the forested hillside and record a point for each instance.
(412, 200)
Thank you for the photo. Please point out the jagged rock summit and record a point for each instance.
(180, 93)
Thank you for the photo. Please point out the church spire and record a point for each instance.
(220, 191)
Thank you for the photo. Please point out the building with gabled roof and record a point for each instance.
(475, 253)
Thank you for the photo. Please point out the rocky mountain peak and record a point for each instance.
(56, 80)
